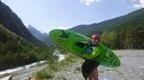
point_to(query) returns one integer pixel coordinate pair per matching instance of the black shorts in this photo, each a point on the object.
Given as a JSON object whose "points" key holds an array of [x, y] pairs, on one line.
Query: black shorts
{"points": [[88, 66]]}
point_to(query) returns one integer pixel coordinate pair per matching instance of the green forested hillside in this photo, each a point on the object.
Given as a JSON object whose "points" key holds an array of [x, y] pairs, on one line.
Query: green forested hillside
{"points": [[17, 45], [13, 23], [127, 38], [16, 51], [125, 32]]}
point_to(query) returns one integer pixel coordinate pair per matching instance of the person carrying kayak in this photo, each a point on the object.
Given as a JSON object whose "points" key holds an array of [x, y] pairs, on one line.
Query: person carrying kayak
{"points": [[89, 67], [93, 51]]}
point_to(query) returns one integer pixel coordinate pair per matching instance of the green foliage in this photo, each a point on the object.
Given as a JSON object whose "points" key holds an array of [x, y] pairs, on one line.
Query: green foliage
{"points": [[109, 38], [54, 67], [43, 75], [15, 51], [125, 38]]}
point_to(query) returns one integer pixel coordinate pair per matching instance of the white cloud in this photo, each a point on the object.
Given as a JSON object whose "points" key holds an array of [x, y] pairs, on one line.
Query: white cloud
{"points": [[137, 6], [89, 2], [138, 3]]}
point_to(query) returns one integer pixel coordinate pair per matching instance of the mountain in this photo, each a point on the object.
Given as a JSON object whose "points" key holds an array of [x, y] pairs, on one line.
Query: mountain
{"points": [[114, 23], [43, 37], [18, 46], [12, 22], [121, 32]]}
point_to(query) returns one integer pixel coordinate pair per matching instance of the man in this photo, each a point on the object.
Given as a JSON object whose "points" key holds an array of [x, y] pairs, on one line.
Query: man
{"points": [[89, 67]]}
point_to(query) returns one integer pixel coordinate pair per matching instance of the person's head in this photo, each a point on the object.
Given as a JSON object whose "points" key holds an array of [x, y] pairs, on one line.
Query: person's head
{"points": [[95, 38]]}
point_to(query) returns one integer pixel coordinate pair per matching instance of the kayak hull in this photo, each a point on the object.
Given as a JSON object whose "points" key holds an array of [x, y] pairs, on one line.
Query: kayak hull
{"points": [[77, 43]]}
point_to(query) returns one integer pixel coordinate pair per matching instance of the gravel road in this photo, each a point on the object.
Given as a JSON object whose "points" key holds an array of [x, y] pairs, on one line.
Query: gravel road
{"points": [[132, 68]]}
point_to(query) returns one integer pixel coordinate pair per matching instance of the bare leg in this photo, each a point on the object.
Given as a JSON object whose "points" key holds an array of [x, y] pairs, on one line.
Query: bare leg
{"points": [[94, 75]]}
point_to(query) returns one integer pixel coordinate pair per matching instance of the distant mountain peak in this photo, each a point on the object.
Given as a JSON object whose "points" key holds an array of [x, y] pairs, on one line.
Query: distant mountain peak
{"points": [[39, 35]]}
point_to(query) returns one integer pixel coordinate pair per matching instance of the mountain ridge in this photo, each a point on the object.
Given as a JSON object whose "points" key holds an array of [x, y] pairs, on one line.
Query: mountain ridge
{"points": [[12, 22], [124, 32], [43, 37], [94, 27]]}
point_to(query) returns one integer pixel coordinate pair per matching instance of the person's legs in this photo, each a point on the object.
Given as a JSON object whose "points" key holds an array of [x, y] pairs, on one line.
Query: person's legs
{"points": [[93, 75], [89, 70], [85, 70]]}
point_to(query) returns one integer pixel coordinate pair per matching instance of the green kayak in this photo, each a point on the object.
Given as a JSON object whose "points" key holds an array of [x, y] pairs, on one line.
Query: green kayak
{"points": [[77, 44]]}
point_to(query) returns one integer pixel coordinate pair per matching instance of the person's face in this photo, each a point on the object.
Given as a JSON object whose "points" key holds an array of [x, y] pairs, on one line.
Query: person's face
{"points": [[94, 41]]}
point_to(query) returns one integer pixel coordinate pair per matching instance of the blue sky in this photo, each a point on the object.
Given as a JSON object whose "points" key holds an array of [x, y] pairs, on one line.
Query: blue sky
{"points": [[45, 15]]}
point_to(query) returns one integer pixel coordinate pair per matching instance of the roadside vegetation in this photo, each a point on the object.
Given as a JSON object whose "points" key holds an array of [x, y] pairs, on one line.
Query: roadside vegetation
{"points": [[54, 67]]}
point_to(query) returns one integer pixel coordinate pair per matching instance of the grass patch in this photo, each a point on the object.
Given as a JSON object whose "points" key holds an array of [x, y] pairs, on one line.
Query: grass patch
{"points": [[42, 75], [78, 69]]}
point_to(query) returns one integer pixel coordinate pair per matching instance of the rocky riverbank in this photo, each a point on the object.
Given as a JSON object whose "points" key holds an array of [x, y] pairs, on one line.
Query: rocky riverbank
{"points": [[132, 68]]}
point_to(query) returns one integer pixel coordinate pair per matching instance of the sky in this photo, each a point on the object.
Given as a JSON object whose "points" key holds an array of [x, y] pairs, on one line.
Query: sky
{"points": [[46, 15]]}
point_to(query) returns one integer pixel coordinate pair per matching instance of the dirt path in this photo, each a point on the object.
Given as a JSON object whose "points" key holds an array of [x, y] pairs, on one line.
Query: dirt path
{"points": [[132, 68]]}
